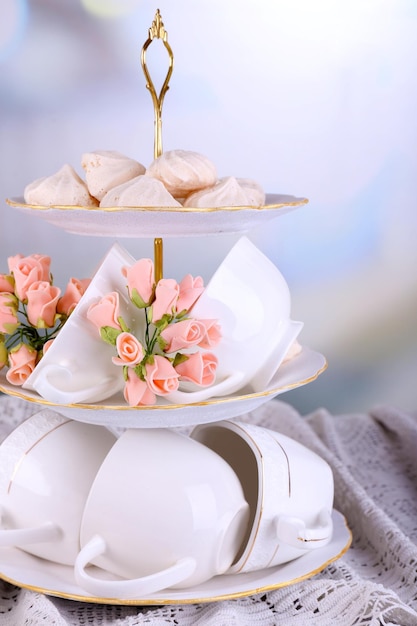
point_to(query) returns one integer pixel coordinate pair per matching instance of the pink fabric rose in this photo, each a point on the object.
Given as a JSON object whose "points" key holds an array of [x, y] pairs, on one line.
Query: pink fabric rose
{"points": [[8, 313], [72, 295], [199, 368], [212, 335], [28, 270], [6, 283], [129, 349], [140, 281], [22, 361], [42, 298], [166, 296], [136, 391], [46, 346], [183, 334], [105, 312], [190, 290], [161, 376]]}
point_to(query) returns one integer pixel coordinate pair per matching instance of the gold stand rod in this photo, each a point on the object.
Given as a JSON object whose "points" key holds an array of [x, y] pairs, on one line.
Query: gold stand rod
{"points": [[157, 31]]}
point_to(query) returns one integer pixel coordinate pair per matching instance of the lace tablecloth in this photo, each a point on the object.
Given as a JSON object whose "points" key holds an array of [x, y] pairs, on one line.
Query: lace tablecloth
{"points": [[374, 461]]}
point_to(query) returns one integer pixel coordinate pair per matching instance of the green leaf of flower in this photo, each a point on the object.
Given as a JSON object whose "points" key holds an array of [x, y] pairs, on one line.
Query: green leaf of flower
{"points": [[137, 299], [180, 358], [109, 334], [125, 328]]}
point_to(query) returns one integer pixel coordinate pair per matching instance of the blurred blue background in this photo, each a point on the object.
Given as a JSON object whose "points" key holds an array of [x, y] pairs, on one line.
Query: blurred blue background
{"points": [[315, 99]]}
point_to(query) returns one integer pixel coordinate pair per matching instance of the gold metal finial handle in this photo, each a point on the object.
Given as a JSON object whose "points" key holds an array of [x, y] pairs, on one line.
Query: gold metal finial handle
{"points": [[157, 31]]}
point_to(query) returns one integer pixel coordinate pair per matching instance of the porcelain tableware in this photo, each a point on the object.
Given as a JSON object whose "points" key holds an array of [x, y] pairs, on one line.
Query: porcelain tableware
{"points": [[163, 511], [47, 466], [78, 367], [288, 487], [251, 299]]}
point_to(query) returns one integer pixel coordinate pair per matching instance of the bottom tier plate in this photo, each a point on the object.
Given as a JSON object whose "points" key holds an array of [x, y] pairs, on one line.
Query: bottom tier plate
{"points": [[30, 572]]}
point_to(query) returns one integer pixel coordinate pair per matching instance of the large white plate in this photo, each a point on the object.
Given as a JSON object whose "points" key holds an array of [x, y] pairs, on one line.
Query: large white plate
{"points": [[30, 572], [302, 369], [140, 222]]}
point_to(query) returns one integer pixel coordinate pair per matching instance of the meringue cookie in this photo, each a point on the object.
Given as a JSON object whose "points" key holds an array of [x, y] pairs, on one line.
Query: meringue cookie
{"points": [[142, 191], [64, 187], [183, 171], [253, 190], [105, 169], [226, 192]]}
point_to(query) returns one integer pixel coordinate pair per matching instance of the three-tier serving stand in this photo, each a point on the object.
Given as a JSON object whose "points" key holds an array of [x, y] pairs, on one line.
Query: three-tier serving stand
{"points": [[158, 223]]}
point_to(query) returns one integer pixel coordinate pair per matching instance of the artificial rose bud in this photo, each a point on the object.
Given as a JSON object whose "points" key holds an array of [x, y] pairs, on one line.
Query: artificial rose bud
{"points": [[212, 335], [166, 296], [28, 270], [129, 349], [22, 361], [136, 391], [182, 335], [75, 289], [161, 376], [190, 290], [8, 313], [140, 282], [6, 283], [199, 368], [42, 298], [105, 312]]}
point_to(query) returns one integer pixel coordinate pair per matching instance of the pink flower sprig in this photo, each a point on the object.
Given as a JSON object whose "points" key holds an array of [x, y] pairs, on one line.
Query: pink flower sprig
{"points": [[32, 312], [173, 346]]}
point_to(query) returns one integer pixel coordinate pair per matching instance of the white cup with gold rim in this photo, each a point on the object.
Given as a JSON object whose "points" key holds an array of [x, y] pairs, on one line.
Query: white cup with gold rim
{"points": [[163, 511], [288, 487], [47, 466]]}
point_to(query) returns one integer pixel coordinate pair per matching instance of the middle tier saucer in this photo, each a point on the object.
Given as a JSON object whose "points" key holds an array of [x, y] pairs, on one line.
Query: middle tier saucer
{"points": [[300, 370]]}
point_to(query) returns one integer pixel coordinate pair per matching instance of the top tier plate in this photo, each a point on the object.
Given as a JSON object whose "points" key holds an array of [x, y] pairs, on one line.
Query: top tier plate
{"points": [[144, 222]]}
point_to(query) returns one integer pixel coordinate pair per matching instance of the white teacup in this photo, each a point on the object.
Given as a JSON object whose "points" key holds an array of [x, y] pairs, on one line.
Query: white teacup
{"points": [[288, 487], [47, 466], [78, 367], [163, 511], [251, 299]]}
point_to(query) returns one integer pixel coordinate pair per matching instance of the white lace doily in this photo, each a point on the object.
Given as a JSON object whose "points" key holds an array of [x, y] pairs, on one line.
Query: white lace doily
{"points": [[374, 461]]}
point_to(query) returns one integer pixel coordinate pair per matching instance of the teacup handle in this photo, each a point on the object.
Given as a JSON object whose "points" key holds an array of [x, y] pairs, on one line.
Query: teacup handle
{"points": [[126, 588], [294, 532], [94, 393], [24, 536]]}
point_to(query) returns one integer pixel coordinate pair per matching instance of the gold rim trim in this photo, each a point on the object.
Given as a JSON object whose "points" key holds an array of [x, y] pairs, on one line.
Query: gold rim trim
{"points": [[195, 600], [166, 407], [63, 207]]}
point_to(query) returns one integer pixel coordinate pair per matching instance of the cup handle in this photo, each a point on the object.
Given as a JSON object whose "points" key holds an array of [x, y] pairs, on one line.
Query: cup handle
{"points": [[294, 532], [23, 536], [126, 588], [54, 393]]}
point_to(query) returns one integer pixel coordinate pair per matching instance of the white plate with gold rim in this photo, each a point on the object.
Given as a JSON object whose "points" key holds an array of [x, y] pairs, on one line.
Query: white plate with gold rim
{"points": [[114, 412], [42, 576], [142, 222]]}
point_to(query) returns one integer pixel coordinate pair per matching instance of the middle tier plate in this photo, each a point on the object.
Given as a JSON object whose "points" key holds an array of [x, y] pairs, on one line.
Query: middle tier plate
{"points": [[300, 370]]}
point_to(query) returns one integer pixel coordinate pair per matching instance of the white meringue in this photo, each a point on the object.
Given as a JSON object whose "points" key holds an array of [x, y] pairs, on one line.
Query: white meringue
{"points": [[64, 187], [225, 193], [105, 169], [183, 171], [253, 191], [142, 191]]}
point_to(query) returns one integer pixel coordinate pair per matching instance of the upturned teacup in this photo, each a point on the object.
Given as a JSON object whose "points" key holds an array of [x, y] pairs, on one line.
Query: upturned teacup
{"points": [[163, 511], [47, 466], [288, 487]]}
